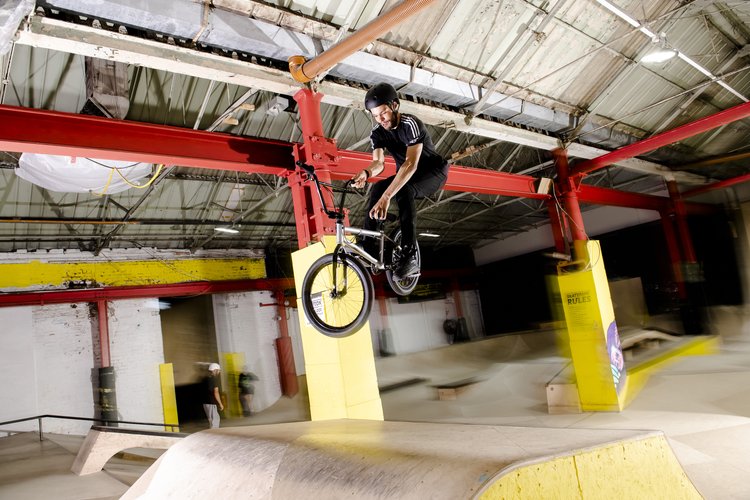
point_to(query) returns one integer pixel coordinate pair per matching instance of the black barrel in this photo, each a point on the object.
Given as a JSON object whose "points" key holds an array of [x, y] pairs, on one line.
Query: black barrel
{"points": [[107, 395]]}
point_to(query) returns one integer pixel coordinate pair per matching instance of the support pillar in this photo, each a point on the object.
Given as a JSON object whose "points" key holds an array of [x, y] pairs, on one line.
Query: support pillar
{"points": [[462, 328], [589, 315], [568, 192], [102, 315], [385, 339], [341, 377], [107, 393], [691, 306], [557, 224], [287, 372], [674, 253]]}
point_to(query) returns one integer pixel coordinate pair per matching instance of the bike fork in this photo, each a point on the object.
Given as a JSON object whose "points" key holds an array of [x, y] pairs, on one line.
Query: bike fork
{"points": [[336, 291]]}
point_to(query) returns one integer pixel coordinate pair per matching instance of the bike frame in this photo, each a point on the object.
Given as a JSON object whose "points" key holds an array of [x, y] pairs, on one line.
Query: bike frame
{"points": [[342, 243]]}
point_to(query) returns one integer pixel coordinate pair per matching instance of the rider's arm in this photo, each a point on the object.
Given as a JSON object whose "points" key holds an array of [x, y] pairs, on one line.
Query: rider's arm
{"points": [[217, 397], [403, 175], [374, 168], [406, 171]]}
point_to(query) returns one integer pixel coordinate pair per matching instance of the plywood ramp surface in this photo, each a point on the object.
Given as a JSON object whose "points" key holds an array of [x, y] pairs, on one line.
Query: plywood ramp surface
{"points": [[374, 459]]}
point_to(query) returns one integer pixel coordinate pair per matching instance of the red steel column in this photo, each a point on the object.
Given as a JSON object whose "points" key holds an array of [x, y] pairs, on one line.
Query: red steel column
{"points": [[692, 302], [457, 298], [674, 253], [287, 371], [568, 193], [681, 220], [320, 152], [101, 309], [556, 223]]}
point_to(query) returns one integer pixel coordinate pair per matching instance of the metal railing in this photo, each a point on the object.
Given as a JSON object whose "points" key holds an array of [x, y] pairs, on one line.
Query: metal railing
{"points": [[68, 417]]}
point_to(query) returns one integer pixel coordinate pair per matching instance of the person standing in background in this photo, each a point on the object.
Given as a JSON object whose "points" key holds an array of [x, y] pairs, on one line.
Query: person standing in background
{"points": [[246, 390], [212, 396]]}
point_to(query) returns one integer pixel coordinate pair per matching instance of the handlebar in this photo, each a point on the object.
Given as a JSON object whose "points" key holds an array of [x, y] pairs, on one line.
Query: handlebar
{"points": [[336, 213]]}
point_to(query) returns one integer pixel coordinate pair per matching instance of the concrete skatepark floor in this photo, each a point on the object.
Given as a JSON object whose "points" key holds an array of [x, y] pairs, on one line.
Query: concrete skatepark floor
{"points": [[702, 404]]}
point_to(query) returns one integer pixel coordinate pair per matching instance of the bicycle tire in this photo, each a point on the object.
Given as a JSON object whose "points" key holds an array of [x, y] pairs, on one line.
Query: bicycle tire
{"points": [[340, 316], [404, 286]]}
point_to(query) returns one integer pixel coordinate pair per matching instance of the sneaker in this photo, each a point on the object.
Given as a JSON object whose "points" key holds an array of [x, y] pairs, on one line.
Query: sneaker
{"points": [[408, 266]]}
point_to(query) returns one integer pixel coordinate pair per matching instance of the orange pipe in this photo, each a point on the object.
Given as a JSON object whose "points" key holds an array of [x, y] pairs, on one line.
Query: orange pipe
{"points": [[304, 71]]}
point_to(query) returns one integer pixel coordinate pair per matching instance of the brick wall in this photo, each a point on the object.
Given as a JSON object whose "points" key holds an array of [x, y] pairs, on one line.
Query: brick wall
{"points": [[49, 359], [136, 352], [17, 368], [47, 366], [64, 360]]}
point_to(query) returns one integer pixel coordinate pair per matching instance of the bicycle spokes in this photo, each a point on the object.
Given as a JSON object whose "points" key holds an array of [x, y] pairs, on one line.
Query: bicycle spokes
{"points": [[339, 294]]}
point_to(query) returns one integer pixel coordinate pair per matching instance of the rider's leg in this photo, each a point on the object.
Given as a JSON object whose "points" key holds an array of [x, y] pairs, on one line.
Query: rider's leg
{"points": [[376, 191], [423, 183], [407, 214]]}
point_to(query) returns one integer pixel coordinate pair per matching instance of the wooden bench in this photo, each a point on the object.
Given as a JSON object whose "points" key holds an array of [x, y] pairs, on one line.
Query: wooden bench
{"points": [[451, 390], [102, 443]]}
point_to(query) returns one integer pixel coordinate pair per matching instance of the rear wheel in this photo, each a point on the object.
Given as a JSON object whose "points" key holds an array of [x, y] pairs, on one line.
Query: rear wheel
{"points": [[337, 309], [403, 286]]}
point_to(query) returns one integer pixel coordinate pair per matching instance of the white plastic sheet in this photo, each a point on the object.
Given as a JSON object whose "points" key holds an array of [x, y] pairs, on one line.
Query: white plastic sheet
{"points": [[12, 13], [65, 174]]}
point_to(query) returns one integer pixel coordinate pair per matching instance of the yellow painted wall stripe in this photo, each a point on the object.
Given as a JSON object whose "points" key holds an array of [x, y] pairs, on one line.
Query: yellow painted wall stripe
{"points": [[128, 273], [168, 397]]}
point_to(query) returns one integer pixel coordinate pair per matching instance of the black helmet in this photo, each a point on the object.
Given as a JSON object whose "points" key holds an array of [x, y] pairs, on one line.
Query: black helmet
{"points": [[382, 93]]}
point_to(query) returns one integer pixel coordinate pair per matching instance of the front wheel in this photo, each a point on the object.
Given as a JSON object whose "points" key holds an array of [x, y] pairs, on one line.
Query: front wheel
{"points": [[406, 285], [337, 309]]}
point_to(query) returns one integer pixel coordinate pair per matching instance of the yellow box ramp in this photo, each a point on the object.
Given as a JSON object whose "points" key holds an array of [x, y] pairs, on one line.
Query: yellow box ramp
{"points": [[374, 459]]}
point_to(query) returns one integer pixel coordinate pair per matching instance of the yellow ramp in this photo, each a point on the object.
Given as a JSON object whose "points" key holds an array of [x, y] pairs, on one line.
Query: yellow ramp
{"points": [[376, 459]]}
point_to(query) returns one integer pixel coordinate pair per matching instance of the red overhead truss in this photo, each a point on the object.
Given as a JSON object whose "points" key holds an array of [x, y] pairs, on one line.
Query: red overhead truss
{"points": [[665, 138]]}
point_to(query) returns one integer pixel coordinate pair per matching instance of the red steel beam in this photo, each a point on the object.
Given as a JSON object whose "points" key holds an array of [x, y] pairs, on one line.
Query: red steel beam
{"points": [[134, 292], [459, 178], [50, 132], [669, 137], [717, 185], [68, 134], [613, 197]]}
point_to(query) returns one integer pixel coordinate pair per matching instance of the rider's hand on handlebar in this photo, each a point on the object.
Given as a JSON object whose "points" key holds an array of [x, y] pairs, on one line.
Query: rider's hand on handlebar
{"points": [[359, 180]]}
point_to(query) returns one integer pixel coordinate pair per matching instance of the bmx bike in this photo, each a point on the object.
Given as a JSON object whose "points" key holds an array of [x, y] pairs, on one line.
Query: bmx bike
{"points": [[337, 291]]}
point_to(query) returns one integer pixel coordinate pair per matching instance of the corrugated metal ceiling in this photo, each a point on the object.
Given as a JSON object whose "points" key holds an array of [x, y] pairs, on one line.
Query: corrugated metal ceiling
{"points": [[578, 79]]}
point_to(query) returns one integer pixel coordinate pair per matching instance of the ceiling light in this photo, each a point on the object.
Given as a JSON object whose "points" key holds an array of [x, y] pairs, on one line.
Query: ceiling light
{"points": [[226, 230], [658, 56], [429, 235], [644, 29], [663, 52]]}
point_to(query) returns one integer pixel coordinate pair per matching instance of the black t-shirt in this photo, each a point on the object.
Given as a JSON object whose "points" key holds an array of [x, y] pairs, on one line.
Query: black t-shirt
{"points": [[210, 382], [410, 131]]}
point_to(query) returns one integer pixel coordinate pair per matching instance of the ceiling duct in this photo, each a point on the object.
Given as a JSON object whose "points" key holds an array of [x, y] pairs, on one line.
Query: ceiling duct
{"points": [[106, 88]]}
